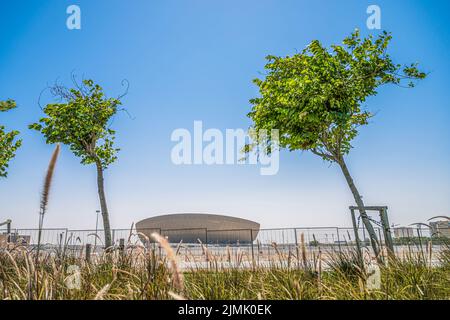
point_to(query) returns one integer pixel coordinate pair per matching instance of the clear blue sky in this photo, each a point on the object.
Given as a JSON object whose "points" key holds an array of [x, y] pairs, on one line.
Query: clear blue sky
{"points": [[194, 60]]}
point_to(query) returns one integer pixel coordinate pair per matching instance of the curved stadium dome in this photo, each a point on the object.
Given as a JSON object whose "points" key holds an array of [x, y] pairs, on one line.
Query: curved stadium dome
{"points": [[208, 228]]}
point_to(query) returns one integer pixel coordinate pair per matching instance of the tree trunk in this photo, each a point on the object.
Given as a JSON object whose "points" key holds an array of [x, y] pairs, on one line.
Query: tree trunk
{"points": [[360, 204], [103, 206]]}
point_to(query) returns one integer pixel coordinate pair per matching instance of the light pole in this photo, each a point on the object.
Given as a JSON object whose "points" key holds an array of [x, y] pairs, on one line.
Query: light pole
{"points": [[96, 229]]}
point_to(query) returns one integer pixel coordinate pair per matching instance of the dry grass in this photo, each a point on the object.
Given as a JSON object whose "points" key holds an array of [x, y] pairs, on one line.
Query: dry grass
{"points": [[140, 273]]}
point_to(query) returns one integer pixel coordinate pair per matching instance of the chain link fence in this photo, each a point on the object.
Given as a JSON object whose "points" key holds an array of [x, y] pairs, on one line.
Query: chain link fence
{"points": [[245, 246]]}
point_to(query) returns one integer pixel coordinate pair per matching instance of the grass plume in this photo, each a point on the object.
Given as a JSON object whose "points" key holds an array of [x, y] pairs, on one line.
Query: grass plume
{"points": [[177, 274], [48, 180], [143, 275], [46, 193]]}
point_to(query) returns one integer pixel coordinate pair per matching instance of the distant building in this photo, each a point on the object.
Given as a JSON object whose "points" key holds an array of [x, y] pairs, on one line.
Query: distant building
{"points": [[403, 232], [206, 228], [440, 228]]}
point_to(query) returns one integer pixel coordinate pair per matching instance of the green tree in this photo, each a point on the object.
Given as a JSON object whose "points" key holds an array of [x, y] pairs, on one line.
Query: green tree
{"points": [[8, 142], [314, 98], [81, 120]]}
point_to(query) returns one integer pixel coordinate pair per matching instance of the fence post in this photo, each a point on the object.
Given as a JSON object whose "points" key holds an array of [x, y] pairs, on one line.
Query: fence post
{"points": [[381, 243], [419, 233], [121, 244], [364, 236], [339, 240], [206, 247], [253, 253], [355, 229], [387, 231], [88, 252], [258, 246], [159, 245], [296, 247], [8, 232], [60, 240], [65, 243]]}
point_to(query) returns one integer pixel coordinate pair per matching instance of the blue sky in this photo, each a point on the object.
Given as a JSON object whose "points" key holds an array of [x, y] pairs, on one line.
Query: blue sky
{"points": [[194, 60]]}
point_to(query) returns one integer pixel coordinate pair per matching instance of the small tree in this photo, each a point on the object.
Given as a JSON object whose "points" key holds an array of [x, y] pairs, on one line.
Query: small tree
{"points": [[81, 120], [8, 142], [315, 99]]}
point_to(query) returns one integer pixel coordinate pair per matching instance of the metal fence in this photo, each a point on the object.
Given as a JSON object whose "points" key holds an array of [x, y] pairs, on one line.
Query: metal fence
{"points": [[262, 246], [312, 236]]}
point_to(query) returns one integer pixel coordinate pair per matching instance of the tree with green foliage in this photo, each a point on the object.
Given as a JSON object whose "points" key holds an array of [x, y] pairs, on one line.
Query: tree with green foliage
{"points": [[8, 142], [81, 120], [315, 99]]}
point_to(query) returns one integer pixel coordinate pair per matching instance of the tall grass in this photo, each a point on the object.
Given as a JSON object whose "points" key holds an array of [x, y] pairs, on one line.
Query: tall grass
{"points": [[141, 273], [46, 193]]}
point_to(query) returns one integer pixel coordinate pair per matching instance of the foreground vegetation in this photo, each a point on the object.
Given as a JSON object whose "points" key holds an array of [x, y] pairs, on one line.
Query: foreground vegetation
{"points": [[138, 273]]}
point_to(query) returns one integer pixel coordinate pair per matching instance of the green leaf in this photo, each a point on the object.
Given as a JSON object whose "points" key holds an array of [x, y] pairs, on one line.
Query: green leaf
{"points": [[314, 98]]}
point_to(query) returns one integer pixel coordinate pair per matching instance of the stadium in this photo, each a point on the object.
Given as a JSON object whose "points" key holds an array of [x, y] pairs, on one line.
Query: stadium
{"points": [[195, 228]]}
